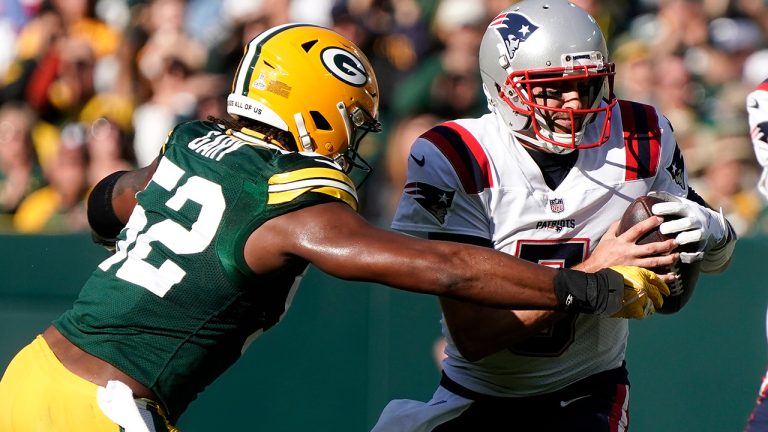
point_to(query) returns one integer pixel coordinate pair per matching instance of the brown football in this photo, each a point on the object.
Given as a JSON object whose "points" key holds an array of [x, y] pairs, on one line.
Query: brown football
{"points": [[682, 289]]}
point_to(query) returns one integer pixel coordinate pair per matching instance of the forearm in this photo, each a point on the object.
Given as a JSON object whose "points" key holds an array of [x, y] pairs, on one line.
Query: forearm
{"points": [[478, 274], [342, 244], [450, 270], [477, 271]]}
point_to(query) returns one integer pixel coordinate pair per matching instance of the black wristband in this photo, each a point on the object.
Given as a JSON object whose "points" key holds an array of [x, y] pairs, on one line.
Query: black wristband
{"points": [[101, 215], [578, 291]]}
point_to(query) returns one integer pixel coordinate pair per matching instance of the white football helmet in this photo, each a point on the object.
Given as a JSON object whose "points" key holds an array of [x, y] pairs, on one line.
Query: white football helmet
{"points": [[539, 42]]}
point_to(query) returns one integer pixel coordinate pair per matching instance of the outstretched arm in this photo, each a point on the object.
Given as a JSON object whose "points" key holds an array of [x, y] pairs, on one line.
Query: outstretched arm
{"points": [[341, 243]]}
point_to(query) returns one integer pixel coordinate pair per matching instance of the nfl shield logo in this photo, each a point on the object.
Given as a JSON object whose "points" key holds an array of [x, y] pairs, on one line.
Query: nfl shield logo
{"points": [[556, 205]]}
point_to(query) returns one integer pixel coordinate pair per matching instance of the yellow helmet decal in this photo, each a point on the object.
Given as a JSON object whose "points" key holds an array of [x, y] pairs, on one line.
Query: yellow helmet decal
{"points": [[252, 51]]}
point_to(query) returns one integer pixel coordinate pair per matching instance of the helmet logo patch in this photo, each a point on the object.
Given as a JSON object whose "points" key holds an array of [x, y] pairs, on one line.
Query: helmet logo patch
{"points": [[513, 28], [260, 83], [279, 88], [344, 66]]}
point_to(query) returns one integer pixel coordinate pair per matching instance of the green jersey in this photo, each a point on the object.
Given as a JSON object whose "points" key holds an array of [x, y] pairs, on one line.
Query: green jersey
{"points": [[176, 305]]}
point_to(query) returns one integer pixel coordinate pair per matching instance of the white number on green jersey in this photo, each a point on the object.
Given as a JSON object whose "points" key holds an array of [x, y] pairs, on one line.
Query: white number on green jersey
{"points": [[175, 237]]}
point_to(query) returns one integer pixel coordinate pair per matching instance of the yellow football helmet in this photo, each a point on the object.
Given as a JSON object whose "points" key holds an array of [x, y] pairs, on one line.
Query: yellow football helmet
{"points": [[313, 83]]}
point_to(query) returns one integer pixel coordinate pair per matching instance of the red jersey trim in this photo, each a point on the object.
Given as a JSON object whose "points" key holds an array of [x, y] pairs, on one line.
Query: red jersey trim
{"points": [[464, 153], [642, 139]]}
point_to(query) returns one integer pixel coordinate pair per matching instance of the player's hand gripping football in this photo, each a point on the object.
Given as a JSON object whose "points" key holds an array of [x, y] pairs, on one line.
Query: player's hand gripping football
{"points": [[697, 224], [643, 293]]}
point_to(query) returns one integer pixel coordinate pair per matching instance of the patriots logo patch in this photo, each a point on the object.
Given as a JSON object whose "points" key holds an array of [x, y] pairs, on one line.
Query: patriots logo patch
{"points": [[513, 28], [434, 200], [676, 168]]}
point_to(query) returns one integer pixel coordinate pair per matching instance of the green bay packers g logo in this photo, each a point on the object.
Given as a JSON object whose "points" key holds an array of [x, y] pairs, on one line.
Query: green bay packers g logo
{"points": [[344, 66]]}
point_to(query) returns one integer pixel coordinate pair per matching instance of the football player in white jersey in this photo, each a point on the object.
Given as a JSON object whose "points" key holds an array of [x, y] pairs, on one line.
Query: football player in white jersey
{"points": [[544, 176], [757, 108]]}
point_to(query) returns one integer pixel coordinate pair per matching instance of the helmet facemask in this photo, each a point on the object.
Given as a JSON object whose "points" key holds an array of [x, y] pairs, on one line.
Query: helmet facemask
{"points": [[360, 123], [526, 93], [557, 46]]}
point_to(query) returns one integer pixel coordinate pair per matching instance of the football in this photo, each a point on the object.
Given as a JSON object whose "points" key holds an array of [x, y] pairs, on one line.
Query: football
{"points": [[681, 289]]}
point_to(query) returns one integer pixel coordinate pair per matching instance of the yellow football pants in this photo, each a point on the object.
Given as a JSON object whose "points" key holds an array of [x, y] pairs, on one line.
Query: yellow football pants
{"points": [[38, 394]]}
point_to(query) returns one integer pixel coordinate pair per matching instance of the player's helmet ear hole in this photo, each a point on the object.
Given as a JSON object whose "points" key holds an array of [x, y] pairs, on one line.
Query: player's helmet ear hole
{"points": [[320, 121]]}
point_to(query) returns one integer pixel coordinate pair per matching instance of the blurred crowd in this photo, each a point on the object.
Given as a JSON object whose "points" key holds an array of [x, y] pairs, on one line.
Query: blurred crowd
{"points": [[90, 87]]}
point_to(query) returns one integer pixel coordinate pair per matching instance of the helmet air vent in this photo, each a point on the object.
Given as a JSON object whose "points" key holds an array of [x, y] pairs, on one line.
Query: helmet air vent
{"points": [[320, 121], [308, 45]]}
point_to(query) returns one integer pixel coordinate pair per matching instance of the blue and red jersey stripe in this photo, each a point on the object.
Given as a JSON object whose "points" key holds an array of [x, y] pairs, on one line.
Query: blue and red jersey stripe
{"points": [[642, 139], [465, 154]]}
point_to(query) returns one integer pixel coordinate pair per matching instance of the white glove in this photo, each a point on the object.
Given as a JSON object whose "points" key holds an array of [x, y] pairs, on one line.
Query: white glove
{"points": [[697, 224]]}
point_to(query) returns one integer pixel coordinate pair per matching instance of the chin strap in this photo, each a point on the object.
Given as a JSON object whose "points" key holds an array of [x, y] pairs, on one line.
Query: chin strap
{"points": [[538, 144], [563, 138], [306, 141]]}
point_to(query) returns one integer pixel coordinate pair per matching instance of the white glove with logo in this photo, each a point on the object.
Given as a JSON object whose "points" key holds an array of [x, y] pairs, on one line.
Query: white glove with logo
{"points": [[696, 224]]}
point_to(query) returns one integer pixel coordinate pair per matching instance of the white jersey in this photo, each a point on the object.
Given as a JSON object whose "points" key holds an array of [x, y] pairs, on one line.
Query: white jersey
{"points": [[757, 108], [470, 178]]}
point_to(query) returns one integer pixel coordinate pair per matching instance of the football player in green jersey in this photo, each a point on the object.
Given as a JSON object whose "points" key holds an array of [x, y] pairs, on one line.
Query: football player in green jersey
{"points": [[213, 237]]}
